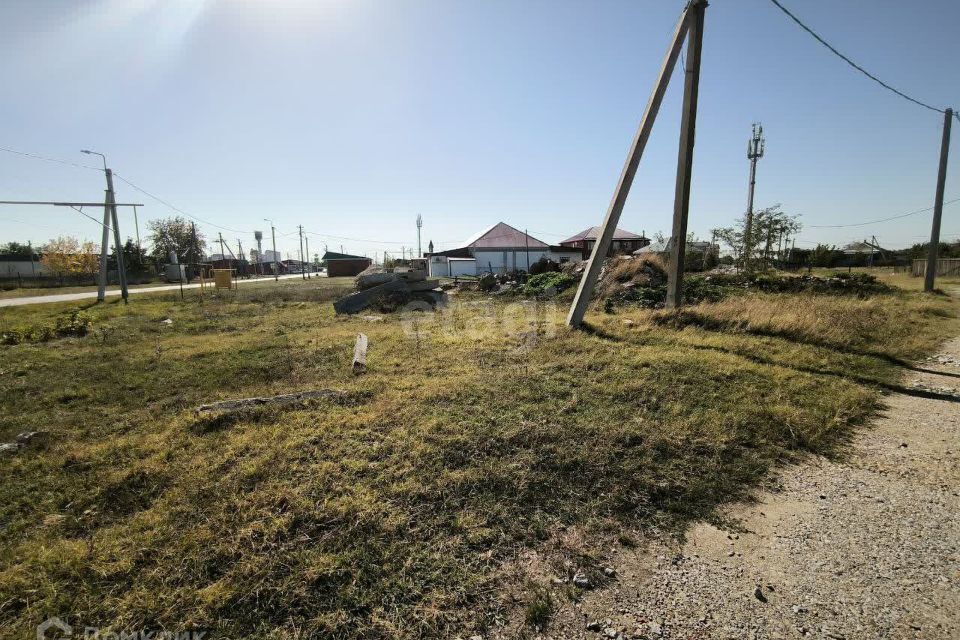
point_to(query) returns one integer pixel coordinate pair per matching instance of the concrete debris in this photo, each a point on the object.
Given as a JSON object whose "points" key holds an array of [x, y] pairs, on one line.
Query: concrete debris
{"points": [[286, 398], [23, 439], [360, 354], [389, 290]]}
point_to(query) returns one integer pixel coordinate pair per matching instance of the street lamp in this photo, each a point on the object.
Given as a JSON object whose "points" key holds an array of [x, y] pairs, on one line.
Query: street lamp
{"points": [[95, 153], [109, 219], [273, 238]]}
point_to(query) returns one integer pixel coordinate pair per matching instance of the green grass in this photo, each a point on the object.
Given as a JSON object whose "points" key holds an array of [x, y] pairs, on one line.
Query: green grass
{"points": [[399, 510]]}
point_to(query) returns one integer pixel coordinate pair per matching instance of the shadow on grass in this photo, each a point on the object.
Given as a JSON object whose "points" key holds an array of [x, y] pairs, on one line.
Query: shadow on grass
{"points": [[887, 386]]}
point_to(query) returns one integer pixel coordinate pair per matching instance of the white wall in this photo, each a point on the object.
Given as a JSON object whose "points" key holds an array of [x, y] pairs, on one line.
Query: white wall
{"points": [[441, 267], [498, 260]]}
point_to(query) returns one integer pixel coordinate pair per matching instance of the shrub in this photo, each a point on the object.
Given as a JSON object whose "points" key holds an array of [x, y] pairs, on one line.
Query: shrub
{"points": [[76, 323], [555, 281]]}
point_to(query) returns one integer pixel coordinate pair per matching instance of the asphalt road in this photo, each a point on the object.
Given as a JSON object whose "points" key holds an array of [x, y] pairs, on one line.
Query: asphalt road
{"points": [[86, 295]]}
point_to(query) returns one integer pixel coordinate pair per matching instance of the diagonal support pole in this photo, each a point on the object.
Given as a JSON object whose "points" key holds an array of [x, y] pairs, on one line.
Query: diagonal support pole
{"points": [[688, 129], [602, 246]]}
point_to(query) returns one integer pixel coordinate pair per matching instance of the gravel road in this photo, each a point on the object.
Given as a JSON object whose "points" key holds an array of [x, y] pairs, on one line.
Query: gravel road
{"points": [[863, 548]]}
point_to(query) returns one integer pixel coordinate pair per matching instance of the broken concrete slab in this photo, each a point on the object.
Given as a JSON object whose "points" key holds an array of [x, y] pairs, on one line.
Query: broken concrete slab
{"points": [[362, 299]]}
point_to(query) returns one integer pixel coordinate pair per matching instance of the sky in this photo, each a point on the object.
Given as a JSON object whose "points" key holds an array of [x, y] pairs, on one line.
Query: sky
{"points": [[351, 117]]}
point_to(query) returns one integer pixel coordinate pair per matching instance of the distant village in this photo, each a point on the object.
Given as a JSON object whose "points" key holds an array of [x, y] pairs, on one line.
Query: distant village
{"points": [[500, 248]]}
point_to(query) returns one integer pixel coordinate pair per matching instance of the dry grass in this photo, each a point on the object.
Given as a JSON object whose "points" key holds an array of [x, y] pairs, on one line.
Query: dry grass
{"points": [[482, 433]]}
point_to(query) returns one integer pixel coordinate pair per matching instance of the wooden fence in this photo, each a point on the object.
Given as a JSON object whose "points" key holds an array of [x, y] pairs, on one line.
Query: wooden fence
{"points": [[945, 267]]}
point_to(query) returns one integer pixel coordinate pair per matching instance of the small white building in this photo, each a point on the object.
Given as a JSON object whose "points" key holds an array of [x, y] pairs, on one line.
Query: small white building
{"points": [[499, 249]]}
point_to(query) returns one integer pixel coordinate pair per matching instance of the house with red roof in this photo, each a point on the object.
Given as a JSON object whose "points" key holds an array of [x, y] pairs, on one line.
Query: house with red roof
{"points": [[624, 242], [499, 249]]}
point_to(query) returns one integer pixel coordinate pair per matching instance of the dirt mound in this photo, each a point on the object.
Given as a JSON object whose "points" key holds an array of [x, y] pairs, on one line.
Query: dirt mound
{"points": [[627, 272]]}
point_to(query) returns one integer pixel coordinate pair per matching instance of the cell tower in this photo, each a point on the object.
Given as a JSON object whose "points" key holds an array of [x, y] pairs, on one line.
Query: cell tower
{"points": [[755, 148], [419, 226]]}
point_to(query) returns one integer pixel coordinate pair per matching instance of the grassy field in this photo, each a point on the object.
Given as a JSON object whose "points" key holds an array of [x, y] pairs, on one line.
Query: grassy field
{"points": [[399, 508]]}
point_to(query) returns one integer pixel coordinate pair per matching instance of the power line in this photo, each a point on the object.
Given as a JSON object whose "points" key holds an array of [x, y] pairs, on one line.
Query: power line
{"points": [[864, 224], [851, 62], [177, 209], [46, 159]]}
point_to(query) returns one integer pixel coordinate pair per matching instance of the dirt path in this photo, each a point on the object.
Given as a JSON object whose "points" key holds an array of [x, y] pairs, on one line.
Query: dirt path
{"points": [[866, 548]]}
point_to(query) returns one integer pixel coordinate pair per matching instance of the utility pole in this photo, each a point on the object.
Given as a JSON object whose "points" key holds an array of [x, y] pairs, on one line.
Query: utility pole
{"points": [[688, 127], [526, 239], [193, 250], [306, 242], [121, 268], [640, 138], [273, 238], [931, 273], [136, 225], [223, 252], [419, 225], [104, 248], [258, 236], [755, 148], [240, 257], [303, 274]]}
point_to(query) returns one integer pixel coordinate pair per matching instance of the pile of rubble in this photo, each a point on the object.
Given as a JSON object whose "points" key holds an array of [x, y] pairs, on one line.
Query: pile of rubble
{"points": [[389, 289]]}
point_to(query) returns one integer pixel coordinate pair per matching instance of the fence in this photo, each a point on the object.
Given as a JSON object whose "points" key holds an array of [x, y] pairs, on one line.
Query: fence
{"points": [[945, 267], [67, 280]]}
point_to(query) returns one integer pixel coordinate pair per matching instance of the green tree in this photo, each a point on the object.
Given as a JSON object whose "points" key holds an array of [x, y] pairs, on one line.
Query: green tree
{"points": [[174, 234], [771, 228], [17, 249]]}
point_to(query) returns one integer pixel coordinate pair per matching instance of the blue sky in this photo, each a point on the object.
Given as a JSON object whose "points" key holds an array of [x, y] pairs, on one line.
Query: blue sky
{"points": [[351, 117]]}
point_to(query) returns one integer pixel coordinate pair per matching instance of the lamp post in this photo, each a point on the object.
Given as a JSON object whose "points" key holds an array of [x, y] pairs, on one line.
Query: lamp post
{"points": [[109, 219], [273, 238]]}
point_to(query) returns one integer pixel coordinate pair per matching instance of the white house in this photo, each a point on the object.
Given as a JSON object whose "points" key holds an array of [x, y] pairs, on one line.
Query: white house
{"points": [[499, 249]]}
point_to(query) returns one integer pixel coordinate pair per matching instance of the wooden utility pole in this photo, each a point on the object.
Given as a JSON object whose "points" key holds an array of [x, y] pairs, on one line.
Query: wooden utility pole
{"points": [[931, 273], [602, 245], [688, 128]]}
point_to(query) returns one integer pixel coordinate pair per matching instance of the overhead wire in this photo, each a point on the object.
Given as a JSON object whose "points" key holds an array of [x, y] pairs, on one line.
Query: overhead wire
{"points": [[48, 159], [869, 222], [853, 64]]}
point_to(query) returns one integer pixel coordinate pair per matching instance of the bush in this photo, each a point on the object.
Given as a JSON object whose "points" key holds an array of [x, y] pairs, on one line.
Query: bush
{"points": [[552, 281], [76, 323]]}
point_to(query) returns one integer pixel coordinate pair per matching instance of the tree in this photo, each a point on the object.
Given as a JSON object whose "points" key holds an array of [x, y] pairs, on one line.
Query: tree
{"points": [[771, 227], [17, 249], [133, 259], [68, 255], [174, 234]]}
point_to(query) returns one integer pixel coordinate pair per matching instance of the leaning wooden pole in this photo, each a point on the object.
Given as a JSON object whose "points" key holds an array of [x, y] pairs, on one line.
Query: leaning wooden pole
{"points": [[934, 247], [602, 246], [688, 127]]}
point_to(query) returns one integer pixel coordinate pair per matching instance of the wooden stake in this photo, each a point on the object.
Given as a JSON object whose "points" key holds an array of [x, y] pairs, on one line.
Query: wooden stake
{"points": [[602, 245], [688, 127]]}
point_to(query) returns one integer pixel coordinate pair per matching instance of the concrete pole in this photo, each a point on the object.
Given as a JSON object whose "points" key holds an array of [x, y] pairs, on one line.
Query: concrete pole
{"points": [[104, 248], [276, 266], [121, 268], [931, 274], [306, 243], [688, 127], [303, 271], [602, 245]]}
